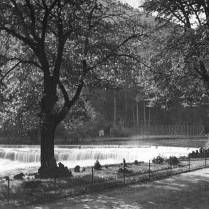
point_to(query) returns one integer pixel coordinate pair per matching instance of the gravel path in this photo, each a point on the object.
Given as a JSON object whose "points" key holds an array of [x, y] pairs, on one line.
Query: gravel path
{"points": [[184, 191]]}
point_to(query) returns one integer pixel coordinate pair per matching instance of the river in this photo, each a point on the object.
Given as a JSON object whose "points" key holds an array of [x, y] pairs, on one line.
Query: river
{"points": [[15, 158]]}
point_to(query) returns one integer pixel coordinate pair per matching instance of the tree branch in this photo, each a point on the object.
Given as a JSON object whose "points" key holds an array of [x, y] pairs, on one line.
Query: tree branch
{"points": [[64, 92], [185, 14], [26, 62], [27, 41], [33, 22], [61, 43], [9, 71], [68, 103], [134, 58], [21, 18], [112, 53]]}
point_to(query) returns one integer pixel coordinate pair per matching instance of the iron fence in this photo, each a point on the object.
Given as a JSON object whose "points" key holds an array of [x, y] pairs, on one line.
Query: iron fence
{"points": [[90, 179]]}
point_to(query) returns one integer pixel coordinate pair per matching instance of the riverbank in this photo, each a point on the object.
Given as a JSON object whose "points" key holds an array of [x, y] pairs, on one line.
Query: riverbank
{"points": [[110, 140], [31, 191], [35, 191], [157, 140], [17, 157], [188, 190]]}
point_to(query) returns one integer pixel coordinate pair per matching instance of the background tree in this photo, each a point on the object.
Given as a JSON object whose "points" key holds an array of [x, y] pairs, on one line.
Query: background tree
{"points": [[178, 50]]}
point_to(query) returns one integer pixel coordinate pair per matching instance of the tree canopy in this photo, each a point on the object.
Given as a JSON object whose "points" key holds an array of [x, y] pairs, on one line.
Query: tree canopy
{"points": [[59, 47], [180, 48]]}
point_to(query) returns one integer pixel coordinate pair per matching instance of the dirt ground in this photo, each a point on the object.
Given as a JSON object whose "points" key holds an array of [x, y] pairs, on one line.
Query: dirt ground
{"points": [[183, 191]]}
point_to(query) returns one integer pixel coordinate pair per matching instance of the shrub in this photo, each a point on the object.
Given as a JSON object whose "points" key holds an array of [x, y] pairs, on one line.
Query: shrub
{"points": [[136, 162], [77, 168], [173, 160], [97, 165], [158, 160]]}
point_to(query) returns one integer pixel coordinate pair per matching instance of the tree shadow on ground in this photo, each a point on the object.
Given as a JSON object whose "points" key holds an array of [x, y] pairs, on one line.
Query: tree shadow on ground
{"points": [[186, 191]]}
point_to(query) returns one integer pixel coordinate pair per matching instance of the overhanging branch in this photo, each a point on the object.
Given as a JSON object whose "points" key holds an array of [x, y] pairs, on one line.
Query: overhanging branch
{"points": [[134, 58], [64, 92], [27, 41], [112, 53], [26, 62], [9, 71]]}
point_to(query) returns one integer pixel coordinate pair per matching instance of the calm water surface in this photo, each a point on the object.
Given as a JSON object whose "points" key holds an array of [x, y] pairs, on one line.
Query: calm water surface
{"points": [[196, 142]]}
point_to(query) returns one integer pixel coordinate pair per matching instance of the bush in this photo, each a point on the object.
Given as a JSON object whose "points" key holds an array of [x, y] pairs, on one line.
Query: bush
{"points": [[173, 160], [158, 160], [97, 165], [77, 168], [136, 162]]}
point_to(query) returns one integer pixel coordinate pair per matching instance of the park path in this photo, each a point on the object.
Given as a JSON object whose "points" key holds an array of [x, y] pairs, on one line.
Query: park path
{"points": [[183, 191]]}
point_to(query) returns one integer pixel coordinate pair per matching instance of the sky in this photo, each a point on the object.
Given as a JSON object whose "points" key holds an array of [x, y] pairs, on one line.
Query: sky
{"points": [[133, 3]]}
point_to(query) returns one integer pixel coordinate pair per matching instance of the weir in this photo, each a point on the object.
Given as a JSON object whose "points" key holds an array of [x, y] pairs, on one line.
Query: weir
{"points": [[86, 155]]}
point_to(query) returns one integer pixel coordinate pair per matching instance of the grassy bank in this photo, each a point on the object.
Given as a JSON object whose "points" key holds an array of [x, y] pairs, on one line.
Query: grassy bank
{"points": [[33, 191]]}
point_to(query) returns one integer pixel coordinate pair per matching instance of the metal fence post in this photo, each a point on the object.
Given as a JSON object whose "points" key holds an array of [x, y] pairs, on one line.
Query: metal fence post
{"points": [[189, 163], [170, 165], [8, 192], [55, 184], [205, 159], [124, 174], [149, 169], [92, 176]]}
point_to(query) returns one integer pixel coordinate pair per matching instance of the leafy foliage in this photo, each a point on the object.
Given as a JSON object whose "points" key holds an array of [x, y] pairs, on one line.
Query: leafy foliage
{"points": [[173, 160], [178, 55], [158, 160], [53, 49]]}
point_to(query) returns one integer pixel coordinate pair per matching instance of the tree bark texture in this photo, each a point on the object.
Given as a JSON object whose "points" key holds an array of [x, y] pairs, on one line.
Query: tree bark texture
{"points": [[48, 127], [47, 142]]}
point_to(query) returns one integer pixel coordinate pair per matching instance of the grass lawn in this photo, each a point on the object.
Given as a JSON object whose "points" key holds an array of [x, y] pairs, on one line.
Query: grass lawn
{"points": [[32, 190]]}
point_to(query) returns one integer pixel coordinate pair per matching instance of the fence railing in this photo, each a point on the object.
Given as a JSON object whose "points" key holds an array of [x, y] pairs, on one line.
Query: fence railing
{"points": [[90, 179]]}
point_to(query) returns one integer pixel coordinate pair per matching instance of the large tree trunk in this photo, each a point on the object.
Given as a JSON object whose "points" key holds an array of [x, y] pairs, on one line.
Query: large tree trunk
{"points": [[48, 127], [47, 142], [50, 118]]}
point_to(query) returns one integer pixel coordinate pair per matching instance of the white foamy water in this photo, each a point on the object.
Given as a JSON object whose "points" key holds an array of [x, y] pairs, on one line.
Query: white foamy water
{"points": [[16, 158]]}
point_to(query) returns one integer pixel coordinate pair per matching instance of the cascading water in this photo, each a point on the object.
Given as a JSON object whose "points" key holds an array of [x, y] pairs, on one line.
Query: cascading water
{"points": [[27, 156], [19, 157]]}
